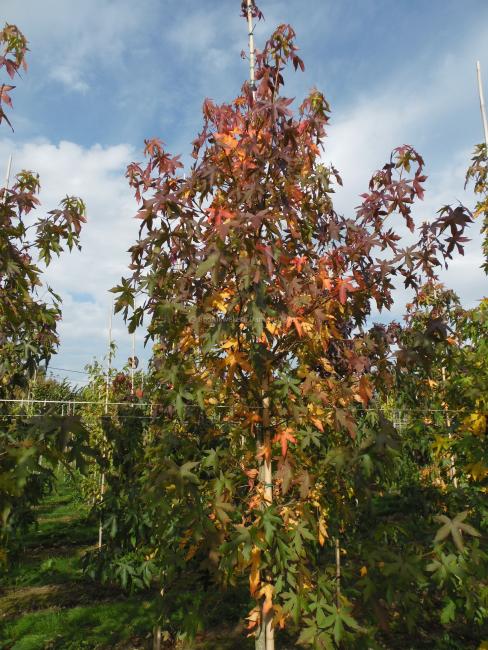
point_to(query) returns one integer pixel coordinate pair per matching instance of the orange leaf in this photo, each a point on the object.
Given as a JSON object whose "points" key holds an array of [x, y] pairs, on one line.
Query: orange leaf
{"points": [[226, 141], [318, 424], [365, 390], [265, 452], [284, 437], [253, 619], [267, 592], [296, 322]]}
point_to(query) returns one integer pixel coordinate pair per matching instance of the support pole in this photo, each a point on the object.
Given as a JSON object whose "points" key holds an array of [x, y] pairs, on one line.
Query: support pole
{"points": [[107, 387], [268, 497], [250, 26], [264, 639], [133, 363], [7, 177], [338, 572], [482, 103]]}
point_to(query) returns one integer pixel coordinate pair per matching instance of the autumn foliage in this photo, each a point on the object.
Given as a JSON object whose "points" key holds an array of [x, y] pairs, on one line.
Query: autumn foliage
{"points": [[257, 296]]}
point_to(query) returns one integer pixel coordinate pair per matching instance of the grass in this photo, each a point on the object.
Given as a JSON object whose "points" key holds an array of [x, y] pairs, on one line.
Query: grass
{"points": [[105, 625], [47, 603]]}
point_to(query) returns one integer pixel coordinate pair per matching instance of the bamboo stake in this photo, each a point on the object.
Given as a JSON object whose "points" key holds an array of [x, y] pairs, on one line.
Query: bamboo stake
{"points": [[338, 572], [251, 48], [133, 363], [268, 497], [265, 472], [109, 360], [482, 102], [452, 469], [107, 386], [7, 177]]}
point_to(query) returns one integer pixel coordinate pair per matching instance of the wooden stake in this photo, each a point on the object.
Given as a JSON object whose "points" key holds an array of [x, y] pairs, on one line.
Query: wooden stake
{"points": [[109, 360], [482, 103]]}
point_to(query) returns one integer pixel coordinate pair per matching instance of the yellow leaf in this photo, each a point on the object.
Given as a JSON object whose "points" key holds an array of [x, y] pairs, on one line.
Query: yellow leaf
{"points": [[475, 423], [255, 575], [267, 591], [363, 571], [323, 535], [478, 471], [271, 327], [253, 619], [230, 343]]}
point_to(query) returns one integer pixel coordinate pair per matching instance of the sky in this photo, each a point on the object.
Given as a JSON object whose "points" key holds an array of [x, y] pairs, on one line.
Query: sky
{"points": [[106, 74]]}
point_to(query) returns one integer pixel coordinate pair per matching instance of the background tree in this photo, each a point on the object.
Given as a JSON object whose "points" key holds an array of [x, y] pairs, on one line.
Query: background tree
{"points": [[28, 321]]}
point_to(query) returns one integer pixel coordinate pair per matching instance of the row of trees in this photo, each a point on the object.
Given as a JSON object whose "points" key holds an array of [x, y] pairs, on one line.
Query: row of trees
{"points": [[269, 466]]}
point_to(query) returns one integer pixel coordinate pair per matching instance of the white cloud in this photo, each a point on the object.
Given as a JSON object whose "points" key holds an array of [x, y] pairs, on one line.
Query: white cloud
{"points": [[97, 175], [420, 112], [74, 40], [70, 77]]}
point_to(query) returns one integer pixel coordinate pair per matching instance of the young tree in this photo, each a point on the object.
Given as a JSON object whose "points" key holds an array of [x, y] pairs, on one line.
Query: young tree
{"points": [[28, 321], [478, 173], [258, 296]]}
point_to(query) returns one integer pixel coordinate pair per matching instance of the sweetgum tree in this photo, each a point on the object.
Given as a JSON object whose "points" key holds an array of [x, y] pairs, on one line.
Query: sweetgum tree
{"points": [[257, 295], [28, 321]]}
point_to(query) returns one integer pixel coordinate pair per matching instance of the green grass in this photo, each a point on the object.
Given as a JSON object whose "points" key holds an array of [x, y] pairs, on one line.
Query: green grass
{"points": [[104, 625], [48, 603]]}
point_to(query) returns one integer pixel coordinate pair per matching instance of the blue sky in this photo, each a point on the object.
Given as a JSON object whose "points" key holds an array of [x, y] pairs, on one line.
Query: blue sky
{"points": [[105, 74]]}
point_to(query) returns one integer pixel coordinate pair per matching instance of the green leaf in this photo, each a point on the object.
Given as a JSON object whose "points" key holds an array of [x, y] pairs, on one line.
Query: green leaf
{"points": [[307, 636], [206, 265], [448, 613], [454, 527], [221, 510], [180, 405]]}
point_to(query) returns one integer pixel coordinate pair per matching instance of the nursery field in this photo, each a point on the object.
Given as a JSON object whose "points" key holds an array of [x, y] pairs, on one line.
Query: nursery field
{"points": [[302, 459], [47, 602]]}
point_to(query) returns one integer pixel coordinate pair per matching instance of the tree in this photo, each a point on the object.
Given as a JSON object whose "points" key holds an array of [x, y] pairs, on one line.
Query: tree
{"points": [[28, 321], [478, 172], [258, 296]]}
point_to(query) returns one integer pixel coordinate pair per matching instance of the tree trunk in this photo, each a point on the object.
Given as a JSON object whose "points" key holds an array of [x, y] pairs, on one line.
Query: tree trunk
{"points": [[267, 617], [260, 642], [157, 638], [100, 523]]}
